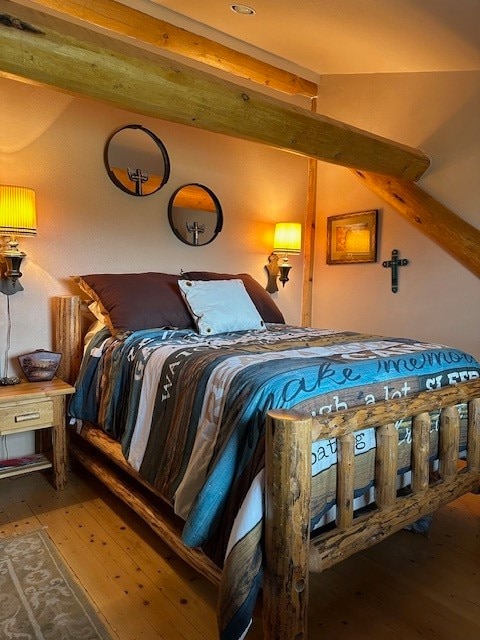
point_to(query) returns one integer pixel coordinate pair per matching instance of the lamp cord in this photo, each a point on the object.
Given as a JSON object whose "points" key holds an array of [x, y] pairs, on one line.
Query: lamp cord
{"points": [[5, 379], [9, 338]]}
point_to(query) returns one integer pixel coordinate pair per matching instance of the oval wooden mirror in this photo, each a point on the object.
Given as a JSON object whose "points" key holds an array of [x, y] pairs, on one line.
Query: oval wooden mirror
{"points": [[136, 160], [195, 214]]}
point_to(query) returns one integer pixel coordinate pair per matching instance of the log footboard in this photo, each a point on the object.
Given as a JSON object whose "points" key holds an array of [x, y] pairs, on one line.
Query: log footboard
{"points": [[290, 554]]}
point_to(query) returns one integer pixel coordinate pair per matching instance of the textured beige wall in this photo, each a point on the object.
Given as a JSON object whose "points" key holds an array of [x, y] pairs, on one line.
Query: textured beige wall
{"points": [[54, 144], [438, 299]]}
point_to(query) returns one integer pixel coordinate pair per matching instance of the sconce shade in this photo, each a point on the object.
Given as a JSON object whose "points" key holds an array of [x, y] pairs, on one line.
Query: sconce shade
{"points": [[17, 211], [17, 218], [286, 240], [288, 237]]}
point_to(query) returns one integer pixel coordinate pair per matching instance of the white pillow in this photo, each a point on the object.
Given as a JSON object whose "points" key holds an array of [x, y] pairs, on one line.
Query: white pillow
{"points": [[220, 305]]}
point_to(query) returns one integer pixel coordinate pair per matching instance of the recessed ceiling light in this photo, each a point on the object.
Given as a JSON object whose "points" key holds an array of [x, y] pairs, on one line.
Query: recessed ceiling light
{"points": [[242, 9]]}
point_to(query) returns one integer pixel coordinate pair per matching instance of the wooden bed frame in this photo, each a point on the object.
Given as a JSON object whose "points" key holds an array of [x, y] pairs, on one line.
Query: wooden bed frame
{"points": [[290, 553]]}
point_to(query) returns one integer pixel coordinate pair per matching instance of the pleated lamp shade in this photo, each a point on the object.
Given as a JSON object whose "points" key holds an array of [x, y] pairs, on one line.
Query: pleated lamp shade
{"points": [[288, 237], [17, 211]]}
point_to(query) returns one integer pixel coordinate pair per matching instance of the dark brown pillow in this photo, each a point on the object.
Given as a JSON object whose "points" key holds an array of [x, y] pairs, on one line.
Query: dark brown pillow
{"points": [[135, 301], [266, 307]]}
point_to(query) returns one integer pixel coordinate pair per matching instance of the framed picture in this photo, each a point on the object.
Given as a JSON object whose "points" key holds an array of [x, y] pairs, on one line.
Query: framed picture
{"points": [[352, 237]]}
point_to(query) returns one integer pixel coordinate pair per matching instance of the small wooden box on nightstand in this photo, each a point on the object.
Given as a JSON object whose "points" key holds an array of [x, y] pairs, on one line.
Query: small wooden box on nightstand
{"points": [[29, 406]]}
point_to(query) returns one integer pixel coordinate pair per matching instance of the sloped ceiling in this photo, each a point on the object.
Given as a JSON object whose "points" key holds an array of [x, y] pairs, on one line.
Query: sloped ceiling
{"points": [[70, 71], [340, 36]]}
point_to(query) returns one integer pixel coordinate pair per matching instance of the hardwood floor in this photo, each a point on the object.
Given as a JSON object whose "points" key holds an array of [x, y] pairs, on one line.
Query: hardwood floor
{"points": [[405, 588]]}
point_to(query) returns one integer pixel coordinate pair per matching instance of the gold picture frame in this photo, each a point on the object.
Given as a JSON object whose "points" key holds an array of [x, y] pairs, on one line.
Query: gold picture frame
{"points": [[352, 237]]}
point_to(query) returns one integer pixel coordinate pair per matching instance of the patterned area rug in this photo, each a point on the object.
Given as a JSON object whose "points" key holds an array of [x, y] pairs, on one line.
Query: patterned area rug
{"points": [[39, 598]]}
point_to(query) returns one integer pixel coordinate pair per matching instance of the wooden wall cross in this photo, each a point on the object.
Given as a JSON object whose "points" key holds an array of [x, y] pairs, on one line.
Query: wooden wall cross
{"points": [[393, 264]]}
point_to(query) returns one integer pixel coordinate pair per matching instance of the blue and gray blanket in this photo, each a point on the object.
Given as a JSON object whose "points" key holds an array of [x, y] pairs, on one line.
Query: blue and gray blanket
{"points": [[190, 410]]}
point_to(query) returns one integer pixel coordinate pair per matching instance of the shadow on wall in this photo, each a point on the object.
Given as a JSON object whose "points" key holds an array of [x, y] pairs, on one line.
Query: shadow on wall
{"points": [[40, 107]]}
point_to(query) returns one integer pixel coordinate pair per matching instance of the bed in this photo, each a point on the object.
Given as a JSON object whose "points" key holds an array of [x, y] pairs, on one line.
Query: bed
{"points": [[260, 452]]}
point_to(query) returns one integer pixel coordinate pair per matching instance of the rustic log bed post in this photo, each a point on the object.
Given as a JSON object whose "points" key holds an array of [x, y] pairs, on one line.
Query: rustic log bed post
{"points": [[290, 553], [67, 335], [288, 477]]}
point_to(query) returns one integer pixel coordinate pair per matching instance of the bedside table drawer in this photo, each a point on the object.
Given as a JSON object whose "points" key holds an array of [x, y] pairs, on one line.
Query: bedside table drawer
{"points": [[26, 415]]}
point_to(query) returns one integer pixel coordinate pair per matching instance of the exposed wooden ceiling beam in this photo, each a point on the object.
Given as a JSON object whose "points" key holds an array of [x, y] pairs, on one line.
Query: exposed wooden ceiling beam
{"points": [[457, 237], [57, 53], [142, 27]]}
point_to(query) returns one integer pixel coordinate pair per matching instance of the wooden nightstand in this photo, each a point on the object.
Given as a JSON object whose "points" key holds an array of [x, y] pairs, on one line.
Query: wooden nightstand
{"points": [[29, 406]]}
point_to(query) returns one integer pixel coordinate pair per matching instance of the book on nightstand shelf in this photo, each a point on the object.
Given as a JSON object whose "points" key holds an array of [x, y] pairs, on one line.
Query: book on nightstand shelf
{"points": [[33, 462]]}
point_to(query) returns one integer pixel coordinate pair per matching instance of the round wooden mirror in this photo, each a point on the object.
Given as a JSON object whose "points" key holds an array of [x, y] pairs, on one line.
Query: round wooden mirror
{"points": [[136, 160], [195, 214]]}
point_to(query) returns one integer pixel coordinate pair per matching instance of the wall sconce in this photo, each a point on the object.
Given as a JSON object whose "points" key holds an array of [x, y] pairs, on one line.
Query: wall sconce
{"points": [[17, 218], [287, 241]]}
